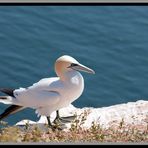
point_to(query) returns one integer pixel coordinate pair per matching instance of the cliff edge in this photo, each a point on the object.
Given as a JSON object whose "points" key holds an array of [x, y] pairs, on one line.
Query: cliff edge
{"points": [[131, 113]]}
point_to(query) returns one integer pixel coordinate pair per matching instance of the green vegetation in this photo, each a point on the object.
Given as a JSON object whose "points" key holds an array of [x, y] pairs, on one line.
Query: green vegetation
{"points": [[119, 133]]}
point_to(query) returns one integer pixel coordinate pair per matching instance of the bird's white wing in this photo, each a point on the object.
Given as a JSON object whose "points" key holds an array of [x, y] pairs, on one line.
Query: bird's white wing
{"points": [[38, 95], [47, 84], [37, 99]]}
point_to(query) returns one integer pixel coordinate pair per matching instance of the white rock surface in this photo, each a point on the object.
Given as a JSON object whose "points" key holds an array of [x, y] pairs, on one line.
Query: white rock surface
{"points": [[131, 112]]}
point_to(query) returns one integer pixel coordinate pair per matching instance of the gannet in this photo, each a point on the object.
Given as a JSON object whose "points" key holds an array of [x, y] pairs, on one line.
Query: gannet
{"points": [[48, 94]]}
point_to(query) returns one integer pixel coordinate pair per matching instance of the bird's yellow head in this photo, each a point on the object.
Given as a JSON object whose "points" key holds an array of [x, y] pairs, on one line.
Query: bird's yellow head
{"points": [[67, 63]]}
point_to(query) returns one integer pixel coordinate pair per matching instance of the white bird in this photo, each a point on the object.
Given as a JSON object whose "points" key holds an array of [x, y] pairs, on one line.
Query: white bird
{"points": [[48, 94]]}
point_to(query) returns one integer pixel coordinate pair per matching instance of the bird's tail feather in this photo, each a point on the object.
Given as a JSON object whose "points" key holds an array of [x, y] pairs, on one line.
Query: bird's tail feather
{"points": [[6, 99], [10, 110], [9, 100]]}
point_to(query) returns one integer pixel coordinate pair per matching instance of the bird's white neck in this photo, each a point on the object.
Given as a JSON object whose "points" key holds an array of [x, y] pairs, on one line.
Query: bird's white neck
{"points": [[72, 76]]}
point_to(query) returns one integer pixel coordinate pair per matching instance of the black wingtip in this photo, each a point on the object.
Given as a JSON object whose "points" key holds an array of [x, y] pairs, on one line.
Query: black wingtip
{"points": [[3, 97], [10, 110], [8, 91]]}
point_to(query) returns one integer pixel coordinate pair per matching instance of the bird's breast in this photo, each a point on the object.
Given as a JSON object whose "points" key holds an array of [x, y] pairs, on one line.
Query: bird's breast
{"points": [[73, 89]]}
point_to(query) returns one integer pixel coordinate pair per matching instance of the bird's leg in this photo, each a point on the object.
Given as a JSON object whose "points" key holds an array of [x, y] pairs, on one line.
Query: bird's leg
{"points": [[53, 127], [49, 122], [59, 119]]}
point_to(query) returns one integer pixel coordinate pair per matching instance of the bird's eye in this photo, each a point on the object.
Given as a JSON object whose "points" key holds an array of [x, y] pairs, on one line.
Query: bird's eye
{"points": [[73, 64]]}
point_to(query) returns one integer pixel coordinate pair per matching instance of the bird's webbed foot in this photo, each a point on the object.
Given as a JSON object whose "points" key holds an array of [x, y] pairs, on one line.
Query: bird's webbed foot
{"points": [[55, 126], [63, 120], [59, 122]]}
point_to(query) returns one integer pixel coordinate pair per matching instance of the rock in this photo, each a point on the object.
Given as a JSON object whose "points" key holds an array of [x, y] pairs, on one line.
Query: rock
{"points": [[135, 113]]}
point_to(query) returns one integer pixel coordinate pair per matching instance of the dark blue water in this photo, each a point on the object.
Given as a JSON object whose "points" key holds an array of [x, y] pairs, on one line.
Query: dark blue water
{"points": [[112, 40]]}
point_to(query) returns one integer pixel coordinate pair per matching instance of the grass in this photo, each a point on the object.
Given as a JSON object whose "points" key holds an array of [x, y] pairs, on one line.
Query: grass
{"points": [[120, 133]]}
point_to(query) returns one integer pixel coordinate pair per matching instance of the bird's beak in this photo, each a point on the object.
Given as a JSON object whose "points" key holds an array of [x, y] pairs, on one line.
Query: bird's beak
{"points": [[83, 68]]}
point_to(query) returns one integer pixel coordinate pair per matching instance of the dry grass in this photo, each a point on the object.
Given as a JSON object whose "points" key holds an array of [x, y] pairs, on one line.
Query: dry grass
{"points": [[120, 133]]}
